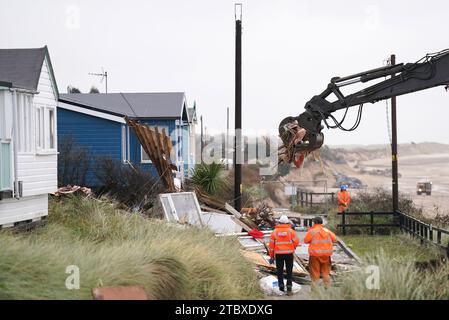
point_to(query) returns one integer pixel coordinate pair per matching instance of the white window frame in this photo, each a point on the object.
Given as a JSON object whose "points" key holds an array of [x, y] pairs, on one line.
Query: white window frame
{"points": [[45, 130], [142, 152], [123, 143]]}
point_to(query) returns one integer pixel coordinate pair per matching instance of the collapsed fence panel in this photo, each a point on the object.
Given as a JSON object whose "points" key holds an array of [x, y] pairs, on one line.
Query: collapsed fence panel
{"points": [[158, 147]]}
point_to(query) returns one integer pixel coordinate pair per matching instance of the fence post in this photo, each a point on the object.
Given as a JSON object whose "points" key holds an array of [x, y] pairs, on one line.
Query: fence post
{"points": [[311, 199], [430, 232], [421, 232], [439, 237], [343, 222], [372, 222]]}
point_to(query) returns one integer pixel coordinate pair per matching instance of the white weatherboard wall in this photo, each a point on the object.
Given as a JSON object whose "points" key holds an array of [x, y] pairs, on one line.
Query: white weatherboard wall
{"points": [[27, 208], [38, 167], [37, 150]]}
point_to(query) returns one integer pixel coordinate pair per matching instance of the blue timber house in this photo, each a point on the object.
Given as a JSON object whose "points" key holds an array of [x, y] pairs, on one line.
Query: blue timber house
{"points": [[95, 121]]}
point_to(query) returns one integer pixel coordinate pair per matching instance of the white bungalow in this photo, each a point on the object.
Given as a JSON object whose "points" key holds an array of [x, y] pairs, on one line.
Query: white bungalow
{"points": [[28, 139]]}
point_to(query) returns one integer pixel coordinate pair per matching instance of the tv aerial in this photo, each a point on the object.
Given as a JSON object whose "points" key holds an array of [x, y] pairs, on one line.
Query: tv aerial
{"points": [[103, 75]]}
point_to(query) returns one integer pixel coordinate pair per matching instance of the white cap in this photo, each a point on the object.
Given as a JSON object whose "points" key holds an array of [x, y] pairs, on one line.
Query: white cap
{"points": [[284, 219]]}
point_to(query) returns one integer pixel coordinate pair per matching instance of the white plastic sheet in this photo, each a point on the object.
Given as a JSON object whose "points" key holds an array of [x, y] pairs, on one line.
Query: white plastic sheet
{"points": [[270, 287]]}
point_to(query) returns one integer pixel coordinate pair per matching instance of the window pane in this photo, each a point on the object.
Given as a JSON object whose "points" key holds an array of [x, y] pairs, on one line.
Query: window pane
{"points": [[145, 156], [5, 166], [39, 128], [52, 128]]}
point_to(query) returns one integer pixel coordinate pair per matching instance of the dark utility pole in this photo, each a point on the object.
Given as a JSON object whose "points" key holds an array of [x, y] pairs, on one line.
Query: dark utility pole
{"points": [[238, 109], [394, 147]]}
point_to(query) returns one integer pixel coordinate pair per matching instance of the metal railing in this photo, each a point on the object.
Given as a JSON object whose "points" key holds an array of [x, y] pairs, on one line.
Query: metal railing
{"points": [[423, 231]]}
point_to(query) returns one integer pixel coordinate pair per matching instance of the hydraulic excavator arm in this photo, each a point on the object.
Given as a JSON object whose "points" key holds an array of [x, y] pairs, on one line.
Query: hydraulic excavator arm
{"points": [[430, 71]]}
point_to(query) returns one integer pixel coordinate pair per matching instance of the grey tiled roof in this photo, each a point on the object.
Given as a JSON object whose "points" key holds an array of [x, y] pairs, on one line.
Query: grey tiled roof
{"points": [[136, 105], [22, 67]]}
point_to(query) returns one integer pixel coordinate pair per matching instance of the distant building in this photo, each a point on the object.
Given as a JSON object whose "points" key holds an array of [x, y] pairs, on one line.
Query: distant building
{"points": [[96, 122], [28, 135]]}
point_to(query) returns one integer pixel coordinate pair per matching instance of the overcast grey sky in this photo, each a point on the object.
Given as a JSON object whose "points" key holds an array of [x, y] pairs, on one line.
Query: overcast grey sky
{"points": [[291, 49]]}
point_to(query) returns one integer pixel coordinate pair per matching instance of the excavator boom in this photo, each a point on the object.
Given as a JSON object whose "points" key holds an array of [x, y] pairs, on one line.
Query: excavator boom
{"points": [[430, 71]]}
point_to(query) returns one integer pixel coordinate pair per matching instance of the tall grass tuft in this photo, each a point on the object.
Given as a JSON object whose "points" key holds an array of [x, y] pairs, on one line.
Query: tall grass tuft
{"points": [[112, 247], [398, 279]]}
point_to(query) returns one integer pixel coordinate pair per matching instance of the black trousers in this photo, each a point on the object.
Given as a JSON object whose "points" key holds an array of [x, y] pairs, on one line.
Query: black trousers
{"points": [[286, 259]]}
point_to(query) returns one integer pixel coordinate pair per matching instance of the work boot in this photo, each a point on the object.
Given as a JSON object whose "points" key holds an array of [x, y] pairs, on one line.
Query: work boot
{"points": [[281, 288], [289, 290]]}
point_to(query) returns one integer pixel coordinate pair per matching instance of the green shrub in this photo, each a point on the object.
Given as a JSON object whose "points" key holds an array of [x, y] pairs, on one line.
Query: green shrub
{"points": [[209, 177]]}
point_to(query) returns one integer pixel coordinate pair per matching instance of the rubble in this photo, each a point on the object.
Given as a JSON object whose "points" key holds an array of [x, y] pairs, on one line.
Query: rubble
{"points": [[293, 135], [352, 182], [69, 190]]}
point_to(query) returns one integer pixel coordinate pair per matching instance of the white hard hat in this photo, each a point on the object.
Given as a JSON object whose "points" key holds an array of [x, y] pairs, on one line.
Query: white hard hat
{"points": [[284, 219]]}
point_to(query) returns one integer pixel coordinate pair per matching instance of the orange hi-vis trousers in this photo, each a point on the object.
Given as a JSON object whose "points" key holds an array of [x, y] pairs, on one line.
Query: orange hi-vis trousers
{"points": [[320, 265]]}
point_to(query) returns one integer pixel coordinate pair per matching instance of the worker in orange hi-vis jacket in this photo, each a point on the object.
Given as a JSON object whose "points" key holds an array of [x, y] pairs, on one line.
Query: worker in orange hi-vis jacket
{"points": [[320, 240], [282, 245], [344, 198]]}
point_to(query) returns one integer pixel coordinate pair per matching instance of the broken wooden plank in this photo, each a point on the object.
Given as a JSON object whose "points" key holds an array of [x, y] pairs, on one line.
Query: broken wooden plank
{"points": [[232, 211], [240, 223], [262, 260]]}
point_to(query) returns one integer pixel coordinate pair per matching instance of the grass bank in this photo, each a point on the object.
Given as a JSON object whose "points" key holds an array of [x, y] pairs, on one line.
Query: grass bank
{"points": [[398, 258], [392, 246], [399, 278], [113, 247]]}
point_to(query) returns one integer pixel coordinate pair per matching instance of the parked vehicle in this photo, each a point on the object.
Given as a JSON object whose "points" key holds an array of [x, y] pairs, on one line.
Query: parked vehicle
{"points": [[424, 187]]}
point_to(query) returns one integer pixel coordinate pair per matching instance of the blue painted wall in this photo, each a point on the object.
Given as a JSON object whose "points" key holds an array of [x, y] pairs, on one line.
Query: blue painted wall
{"points": [[104, 138], [101, 137]]}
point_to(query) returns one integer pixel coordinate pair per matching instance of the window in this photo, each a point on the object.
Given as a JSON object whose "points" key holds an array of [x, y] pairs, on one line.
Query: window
{"points": [[144, 157], [5, 166], [40, 128], [24, 132], [45, 129], [125, 149]]}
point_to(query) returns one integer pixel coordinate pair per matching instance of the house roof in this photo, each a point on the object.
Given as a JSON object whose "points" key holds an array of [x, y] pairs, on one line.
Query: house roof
{"points": [[192, 114], [22, 67], [133, 105]]}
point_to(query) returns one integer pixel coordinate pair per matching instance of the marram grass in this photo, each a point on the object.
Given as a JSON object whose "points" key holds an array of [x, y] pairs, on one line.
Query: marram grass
{"points": [[113, 247], [399, 279]]}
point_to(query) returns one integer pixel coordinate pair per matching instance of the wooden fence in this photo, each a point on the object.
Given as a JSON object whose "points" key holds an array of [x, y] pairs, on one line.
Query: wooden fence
{"points": [[371, 225], [305, 198]]}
